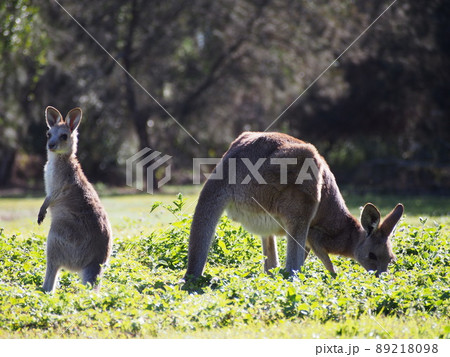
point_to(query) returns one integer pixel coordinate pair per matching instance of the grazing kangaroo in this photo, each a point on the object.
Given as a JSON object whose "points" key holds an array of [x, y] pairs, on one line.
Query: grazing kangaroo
{"points": [[292, 193], [80, 233]]}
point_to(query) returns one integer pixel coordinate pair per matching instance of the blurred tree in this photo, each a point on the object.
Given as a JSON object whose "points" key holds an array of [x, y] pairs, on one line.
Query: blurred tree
{"points": [[22, 59], [223, 67], [393, 107]]}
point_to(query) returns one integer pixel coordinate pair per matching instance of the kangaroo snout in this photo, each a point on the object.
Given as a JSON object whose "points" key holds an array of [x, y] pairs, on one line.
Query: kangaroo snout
{"points": [[379, 271], [52, 146]]}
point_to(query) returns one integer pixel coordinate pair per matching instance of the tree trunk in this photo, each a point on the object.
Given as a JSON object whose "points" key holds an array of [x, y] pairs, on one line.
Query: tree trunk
{"points": [[139, 117], [8, 156]]}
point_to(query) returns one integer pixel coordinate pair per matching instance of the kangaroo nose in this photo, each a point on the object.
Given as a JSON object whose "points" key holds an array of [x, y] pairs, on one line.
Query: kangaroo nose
{"points": [[379, 271], [51, 146]]}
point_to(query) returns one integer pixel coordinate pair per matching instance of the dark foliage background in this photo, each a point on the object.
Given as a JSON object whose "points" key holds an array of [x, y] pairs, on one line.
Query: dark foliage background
{"points": [[379, 115]]}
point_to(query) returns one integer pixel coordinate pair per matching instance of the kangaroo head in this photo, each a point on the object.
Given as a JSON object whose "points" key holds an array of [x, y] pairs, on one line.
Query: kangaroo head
{"points": [[375, 251], [62, 134]]}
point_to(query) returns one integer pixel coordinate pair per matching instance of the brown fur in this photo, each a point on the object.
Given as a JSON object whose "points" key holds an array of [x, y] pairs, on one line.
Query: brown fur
{"points": [[312, 214], [80, 236]]}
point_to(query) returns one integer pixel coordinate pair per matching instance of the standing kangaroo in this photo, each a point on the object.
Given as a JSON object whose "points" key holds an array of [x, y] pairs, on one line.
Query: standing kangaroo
{"points": [[287, 199], [80, 233]]}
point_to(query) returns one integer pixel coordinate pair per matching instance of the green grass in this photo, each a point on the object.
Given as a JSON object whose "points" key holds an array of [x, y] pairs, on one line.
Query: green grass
{"points": [[142, 295]]}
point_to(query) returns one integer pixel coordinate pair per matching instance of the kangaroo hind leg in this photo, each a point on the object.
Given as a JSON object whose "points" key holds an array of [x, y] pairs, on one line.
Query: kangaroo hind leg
{"points": [[91, 274], [270, 252], [51, 275]]}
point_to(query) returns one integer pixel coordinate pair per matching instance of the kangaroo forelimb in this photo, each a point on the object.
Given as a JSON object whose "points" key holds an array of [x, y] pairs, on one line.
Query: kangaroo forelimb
{"points": [[43, 210]]}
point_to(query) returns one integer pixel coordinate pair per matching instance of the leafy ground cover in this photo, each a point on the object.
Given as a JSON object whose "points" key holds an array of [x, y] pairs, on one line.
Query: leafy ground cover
{"points": [[142, 295]]}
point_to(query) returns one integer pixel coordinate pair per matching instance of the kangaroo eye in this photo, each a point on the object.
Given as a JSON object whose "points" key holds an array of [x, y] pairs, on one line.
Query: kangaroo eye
{"points": [[372, 256], [49, 135], [63, 137]]}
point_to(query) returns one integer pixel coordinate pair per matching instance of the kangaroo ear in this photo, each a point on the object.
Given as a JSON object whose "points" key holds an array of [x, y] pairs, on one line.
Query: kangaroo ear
{"points": [[73, 118], [391, 220], [52, 116], [370, 218]]}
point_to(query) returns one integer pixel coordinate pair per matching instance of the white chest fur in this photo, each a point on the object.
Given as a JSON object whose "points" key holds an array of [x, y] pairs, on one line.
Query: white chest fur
{"points": [[49, 174], [254, 220]]}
